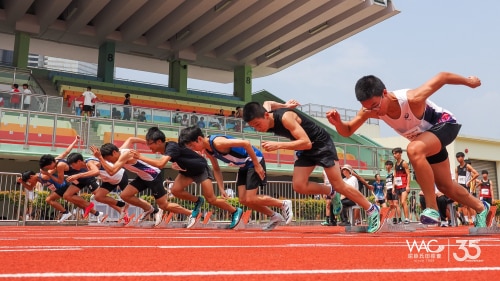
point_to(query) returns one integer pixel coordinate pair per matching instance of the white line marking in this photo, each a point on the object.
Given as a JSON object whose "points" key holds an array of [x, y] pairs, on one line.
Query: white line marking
{"points": [[245, 272]]}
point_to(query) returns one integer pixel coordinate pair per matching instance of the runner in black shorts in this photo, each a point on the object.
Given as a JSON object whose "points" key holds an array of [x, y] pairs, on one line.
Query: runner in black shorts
{"points": [[314, 147], [251, 174], [192, 168]]}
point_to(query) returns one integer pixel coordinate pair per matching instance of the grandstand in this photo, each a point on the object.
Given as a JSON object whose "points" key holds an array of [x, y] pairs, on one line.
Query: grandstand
{"points": [[220, 41]]}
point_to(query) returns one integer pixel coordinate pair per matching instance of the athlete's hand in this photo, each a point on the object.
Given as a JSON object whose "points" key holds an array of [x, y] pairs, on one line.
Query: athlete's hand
{"points": [[270, 145], [136, 154], [223, 194], [71, 178], [473, 82], [292, 104], [333, 117], [95, 151], [259, 170]]}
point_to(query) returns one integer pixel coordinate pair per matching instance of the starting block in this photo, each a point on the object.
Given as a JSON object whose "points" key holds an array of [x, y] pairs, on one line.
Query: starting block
{"points": [[166, 222], [244, 222], [386, 214], [492, 226], [207, 223]]}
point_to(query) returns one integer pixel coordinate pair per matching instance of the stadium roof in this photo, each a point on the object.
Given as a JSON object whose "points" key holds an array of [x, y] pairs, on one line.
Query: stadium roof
{"points": [[215, 34]]}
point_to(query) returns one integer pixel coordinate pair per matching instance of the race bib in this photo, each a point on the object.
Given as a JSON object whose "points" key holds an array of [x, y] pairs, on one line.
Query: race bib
{"points": [[485, 191], [398, 181], [462, 179]]}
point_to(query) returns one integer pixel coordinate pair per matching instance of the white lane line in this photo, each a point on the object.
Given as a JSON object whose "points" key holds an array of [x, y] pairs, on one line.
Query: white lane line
{"points": [[246, 272]]}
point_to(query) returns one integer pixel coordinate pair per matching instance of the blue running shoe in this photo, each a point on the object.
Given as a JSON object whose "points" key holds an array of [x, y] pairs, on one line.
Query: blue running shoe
{"points": [[336, 203], [374, 220], [236, 218], [197, 207], [481, 217], [430, 216]]}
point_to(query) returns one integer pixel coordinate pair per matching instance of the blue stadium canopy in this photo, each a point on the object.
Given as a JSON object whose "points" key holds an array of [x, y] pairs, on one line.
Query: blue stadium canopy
{"points": [[210, 34]]}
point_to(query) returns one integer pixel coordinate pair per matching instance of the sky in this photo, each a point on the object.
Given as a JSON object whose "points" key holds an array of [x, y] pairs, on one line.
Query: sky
{"points": [[406, 50]]}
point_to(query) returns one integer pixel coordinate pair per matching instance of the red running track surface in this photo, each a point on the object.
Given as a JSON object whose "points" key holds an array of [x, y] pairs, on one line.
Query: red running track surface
{"points": [[101, 253]]}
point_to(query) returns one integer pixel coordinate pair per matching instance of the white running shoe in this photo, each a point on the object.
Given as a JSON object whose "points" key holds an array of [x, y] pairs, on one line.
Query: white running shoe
{"points": [[145, 214], [101, 217], [158, 217], [287, 210], [274, 221], [191, 221], [64, 217]]}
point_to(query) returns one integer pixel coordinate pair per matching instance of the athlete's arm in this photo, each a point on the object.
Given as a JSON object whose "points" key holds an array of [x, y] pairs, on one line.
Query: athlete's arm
{"points": [[93, 171], [158, 163], [291, 123], [69, 148], [132, 140], [417, 97], [223, 144], [272, 105], [217, 175], [348, 128], [408, 175]]}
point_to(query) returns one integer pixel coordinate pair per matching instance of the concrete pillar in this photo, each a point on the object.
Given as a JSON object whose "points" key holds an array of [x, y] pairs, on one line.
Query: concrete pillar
{"points": [[177, 75], [243, 82], [106, 62], [21, 50]]}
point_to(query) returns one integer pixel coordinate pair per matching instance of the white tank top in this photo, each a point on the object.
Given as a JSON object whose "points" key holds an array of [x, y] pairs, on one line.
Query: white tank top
{"points": [[408, 125]]}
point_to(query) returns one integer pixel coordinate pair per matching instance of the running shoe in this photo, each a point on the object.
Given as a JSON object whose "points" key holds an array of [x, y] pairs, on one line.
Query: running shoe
{"points": [[88, 209], [274, 221], [125, 219], [407, 221], [374, 220], [64, 217], [286, 208], [158, 217], [336, 203], [481, 217], [236, 218], [430, 216], [145, 214], [101, 217], [197, 207], [191, 221]]}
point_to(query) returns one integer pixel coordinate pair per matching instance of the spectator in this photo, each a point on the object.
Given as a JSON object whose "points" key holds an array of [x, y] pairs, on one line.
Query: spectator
{"points": [[177, 116], [485, 186], [142, 117], [136, 113], [201, 122], [194, 119], [15, 98], [185, 120], [126, 109], [351, 181], [27, 97], [331, 219], [89, 97], [116, 114], [239, 112], [379, 191]]}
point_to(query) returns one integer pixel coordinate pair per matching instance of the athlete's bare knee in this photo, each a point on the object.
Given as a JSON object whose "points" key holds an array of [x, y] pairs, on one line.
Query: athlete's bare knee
{"points": [[211, 200]]}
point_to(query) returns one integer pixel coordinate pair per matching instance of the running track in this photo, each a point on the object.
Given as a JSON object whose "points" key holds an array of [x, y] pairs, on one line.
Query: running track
{"points": [[101, 253]]}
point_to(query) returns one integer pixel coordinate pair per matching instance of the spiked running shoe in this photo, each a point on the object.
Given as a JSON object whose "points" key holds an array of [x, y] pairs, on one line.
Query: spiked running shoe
{"points": [[274, 221], [145, 214], [158, 217], [236, 218], [374, 220], [191, 221], [336, 203], [64, 217], [197, 207], [430, 216], [286, 208], [481, 217], [88, 209]]}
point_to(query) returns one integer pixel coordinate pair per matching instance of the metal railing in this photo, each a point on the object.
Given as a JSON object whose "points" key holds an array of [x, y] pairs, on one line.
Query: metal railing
{"points": [[318, 110]]}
